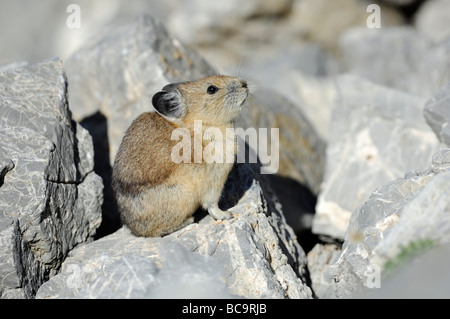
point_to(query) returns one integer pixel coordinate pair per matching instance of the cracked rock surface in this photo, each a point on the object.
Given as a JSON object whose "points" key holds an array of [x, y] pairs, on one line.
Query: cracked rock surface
{"points": [[253, 255], [398, 219], [50, 198]]}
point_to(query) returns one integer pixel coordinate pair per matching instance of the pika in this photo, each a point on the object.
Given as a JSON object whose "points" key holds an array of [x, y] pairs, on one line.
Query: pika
{"points": [[155, 195]]}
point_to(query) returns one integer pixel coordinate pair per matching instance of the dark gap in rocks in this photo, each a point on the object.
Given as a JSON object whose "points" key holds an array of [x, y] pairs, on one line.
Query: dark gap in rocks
{"points": [[97, 125]]}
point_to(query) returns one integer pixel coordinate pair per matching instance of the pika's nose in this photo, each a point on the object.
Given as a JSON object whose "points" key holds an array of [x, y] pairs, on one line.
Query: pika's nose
{"points": [[243, 83]]}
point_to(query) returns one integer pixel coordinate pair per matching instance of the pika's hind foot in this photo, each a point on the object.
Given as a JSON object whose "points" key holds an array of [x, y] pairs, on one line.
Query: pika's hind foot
{"points": [[218, 214]]}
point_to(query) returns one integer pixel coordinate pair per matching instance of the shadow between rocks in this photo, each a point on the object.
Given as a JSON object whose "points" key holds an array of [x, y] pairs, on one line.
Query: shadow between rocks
{"points": [[298, 204], [97, 126]]}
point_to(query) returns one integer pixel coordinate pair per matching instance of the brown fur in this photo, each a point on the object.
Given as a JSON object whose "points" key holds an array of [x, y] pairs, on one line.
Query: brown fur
{"points": [[155, 195]]}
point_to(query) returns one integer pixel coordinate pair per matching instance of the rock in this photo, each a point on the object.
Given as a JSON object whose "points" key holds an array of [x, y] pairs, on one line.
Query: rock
{"points": [[320, 258], [134, 275], [48, 30], [207, 21], [50, 197], [425, 276], [396, 57], [315, 97], [402, 218], [431, 20], [303, 74], [323, 21], [437, 114], [376, 135], [255, 254]]}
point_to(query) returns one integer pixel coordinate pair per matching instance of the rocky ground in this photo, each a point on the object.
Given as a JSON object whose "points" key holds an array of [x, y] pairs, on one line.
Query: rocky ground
{"points": [[360, 206]]}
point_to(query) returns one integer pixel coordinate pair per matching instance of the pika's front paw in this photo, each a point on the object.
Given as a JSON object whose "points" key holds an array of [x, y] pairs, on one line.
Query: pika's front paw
{"points": [[218, 214]]}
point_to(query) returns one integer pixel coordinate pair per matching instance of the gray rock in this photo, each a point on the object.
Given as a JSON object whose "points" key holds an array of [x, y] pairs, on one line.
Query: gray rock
{"points": [[431, 20], [425, 276], [376, 135], [49, 196], [208, 21], [180, 274], [253, 255], [320, 258], [46, 32], [323, 21], [303, 74], [401, 218], [396, 57], [437, 114]]}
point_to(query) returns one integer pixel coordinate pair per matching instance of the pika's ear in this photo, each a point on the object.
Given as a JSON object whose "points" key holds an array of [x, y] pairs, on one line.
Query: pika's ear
{"points": [[168, 104]]}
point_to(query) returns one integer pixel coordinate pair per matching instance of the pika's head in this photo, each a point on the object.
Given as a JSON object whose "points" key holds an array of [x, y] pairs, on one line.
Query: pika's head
{"points": [[216, 100]]}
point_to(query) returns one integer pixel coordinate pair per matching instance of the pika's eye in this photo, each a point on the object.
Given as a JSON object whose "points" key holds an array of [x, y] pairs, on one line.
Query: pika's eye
{"points": [[212, 89]]}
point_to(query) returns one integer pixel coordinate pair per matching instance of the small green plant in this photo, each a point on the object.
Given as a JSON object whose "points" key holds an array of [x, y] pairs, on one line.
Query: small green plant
{"points": [[407, 253]]}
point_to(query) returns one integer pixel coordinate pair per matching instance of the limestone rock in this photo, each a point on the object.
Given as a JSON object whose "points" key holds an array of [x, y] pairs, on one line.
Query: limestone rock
{"points": [[424, 276], [304, 75], [320, 258], [432, 19], [376, 135], [48, 31], [136, 274], [324, 21], [396, 57], [253, 255], [49, 196], [437, 114], [400, 218], [207, 21]]}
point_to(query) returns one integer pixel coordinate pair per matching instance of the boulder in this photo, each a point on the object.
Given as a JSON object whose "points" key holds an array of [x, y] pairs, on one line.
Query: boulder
{"points": [[437, 114], [50, 198], [323, 21], [424, 276], [396, 57], [51, 31], [254, 255], [431, 20], [303, 73], [209, 23], [376, 135], [320, 258], [401, 219], [169, 271]]}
